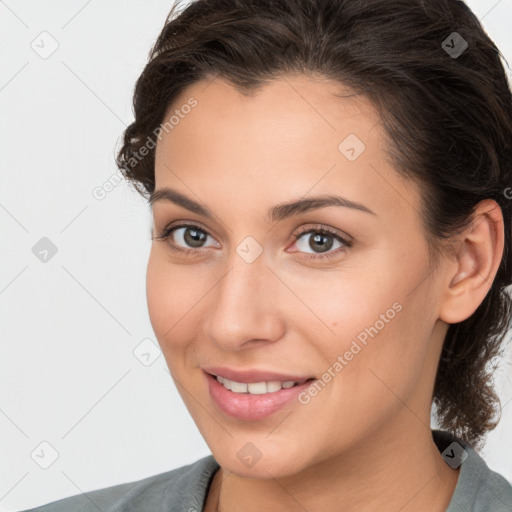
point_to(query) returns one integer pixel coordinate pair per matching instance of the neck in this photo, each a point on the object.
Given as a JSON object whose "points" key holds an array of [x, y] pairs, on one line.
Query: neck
{"points": [[387, 472]]}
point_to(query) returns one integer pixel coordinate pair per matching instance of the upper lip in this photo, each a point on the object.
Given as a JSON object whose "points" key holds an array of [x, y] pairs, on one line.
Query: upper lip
{"points": [[248, 376]]}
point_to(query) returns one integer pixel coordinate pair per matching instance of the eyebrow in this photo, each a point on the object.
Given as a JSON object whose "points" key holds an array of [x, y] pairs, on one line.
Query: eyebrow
{"points": [[276, 213]]}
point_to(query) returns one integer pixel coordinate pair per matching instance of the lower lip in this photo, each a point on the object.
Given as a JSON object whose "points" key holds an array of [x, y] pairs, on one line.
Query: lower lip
{"points": [[246, 406]]}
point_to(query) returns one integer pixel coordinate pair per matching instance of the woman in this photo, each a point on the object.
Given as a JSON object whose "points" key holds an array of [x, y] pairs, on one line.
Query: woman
{"points": [[330, 183]]}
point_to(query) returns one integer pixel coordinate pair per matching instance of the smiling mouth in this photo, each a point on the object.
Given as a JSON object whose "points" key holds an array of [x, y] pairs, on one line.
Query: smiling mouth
{"points": [[256, 398], [258, 388]]}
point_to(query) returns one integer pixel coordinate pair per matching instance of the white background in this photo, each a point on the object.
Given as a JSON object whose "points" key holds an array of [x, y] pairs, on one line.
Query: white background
{"points": [[69, 326]]}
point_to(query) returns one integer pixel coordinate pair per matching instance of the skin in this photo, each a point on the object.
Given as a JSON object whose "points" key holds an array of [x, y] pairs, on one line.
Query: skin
{"points": [[364, 442]]}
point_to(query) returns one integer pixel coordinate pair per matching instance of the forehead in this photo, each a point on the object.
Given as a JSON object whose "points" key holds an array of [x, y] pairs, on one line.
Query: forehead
{"points": [[315, 99], [291, 117], [288, 137]]}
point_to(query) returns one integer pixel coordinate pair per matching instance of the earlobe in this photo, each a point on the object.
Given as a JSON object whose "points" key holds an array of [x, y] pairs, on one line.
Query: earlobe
{"points": [[476, 264]]}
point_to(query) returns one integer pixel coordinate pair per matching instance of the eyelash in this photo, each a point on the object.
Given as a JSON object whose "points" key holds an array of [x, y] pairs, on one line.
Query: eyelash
{"points": [[167, 231]]}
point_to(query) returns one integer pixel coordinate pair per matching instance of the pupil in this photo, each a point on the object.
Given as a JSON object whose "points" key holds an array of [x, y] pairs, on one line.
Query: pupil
{"points": [[321, 240], [194, 237]]}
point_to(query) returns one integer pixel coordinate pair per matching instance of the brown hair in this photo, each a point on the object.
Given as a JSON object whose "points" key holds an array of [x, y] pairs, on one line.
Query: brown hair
{"points": [[447, 116]]}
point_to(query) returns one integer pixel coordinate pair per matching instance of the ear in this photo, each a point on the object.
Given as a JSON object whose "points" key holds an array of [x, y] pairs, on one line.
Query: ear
{"points": [[471, 274]]}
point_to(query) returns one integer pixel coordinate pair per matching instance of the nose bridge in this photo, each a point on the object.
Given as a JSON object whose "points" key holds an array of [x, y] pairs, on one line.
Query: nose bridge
{"points": [[244, 301]]}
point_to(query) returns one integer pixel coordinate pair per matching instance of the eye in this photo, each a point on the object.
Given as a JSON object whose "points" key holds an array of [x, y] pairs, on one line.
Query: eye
{"points": [[323, 241], [184, 236], [189, 239]]}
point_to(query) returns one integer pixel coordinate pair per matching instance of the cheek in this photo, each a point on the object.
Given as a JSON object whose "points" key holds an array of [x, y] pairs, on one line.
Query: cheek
{"points": [[383, 360], [171, 293], [373, 322], [346, 305]]}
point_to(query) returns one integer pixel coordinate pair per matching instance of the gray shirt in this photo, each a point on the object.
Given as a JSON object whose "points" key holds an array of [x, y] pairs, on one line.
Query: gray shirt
{"points": [[479, 489]]}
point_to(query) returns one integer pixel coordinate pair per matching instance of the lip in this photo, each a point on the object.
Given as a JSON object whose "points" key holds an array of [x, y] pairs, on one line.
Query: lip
{"points": [[247, 376], [248, 407]]}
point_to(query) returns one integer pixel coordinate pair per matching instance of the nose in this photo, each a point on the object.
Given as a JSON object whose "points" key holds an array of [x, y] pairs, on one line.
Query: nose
{"points": [[245, 311]]}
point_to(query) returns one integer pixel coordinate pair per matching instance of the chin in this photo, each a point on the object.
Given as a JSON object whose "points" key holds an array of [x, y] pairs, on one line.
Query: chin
{"points": [[254, 460]]}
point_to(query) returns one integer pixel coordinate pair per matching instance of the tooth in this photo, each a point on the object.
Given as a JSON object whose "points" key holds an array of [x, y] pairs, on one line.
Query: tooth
{"points": [[257, 388], [225, 382], [239, 387], [273, 386]]}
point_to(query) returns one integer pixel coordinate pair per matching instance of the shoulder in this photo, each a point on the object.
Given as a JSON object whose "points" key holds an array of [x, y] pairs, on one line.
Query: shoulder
{"points": [[489, 490], [180, 489], [479, 488]]}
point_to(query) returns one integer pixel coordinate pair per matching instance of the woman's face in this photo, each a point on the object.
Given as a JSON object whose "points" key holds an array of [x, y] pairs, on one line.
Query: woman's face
{"points": [[251, 289]]}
